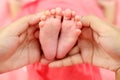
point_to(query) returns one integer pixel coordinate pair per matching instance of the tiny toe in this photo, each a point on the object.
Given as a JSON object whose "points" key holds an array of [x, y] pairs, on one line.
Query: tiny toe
{"points": [[43, 17], [52, 11], [41, 24], [58, 12], [47, 13], [67, 14], [77, 18]]}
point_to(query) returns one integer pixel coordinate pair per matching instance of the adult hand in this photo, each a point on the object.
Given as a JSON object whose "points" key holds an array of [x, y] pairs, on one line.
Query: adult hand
{"points": [[18, 44], [99, 44]]}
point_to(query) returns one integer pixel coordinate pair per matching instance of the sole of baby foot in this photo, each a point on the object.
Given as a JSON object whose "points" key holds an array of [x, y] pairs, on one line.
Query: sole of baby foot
{"points": [[49, 32], [69, 33]]}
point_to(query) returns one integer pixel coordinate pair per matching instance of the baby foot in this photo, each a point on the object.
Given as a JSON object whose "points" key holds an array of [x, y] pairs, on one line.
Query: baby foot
{"points": [[49, 31], [69, 33]]}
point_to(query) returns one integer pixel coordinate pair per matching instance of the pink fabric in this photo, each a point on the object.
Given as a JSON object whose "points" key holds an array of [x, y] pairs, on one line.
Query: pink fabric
{"points": [[76, 72], [78, 5], [20, 74], [107, 75]]}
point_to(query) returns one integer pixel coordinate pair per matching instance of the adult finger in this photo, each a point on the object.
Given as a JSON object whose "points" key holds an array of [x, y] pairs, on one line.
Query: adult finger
{"points": [[22, 24], [96, 24]]}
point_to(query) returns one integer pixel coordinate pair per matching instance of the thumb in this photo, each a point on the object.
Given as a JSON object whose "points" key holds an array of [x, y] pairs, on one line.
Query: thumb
{"points": [[21, 25], [96, 24]]}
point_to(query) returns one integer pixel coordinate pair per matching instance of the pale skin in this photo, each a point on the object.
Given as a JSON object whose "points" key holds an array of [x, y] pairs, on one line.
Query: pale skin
{"points": [[18, 44], [54, 34], [99, 44]]}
